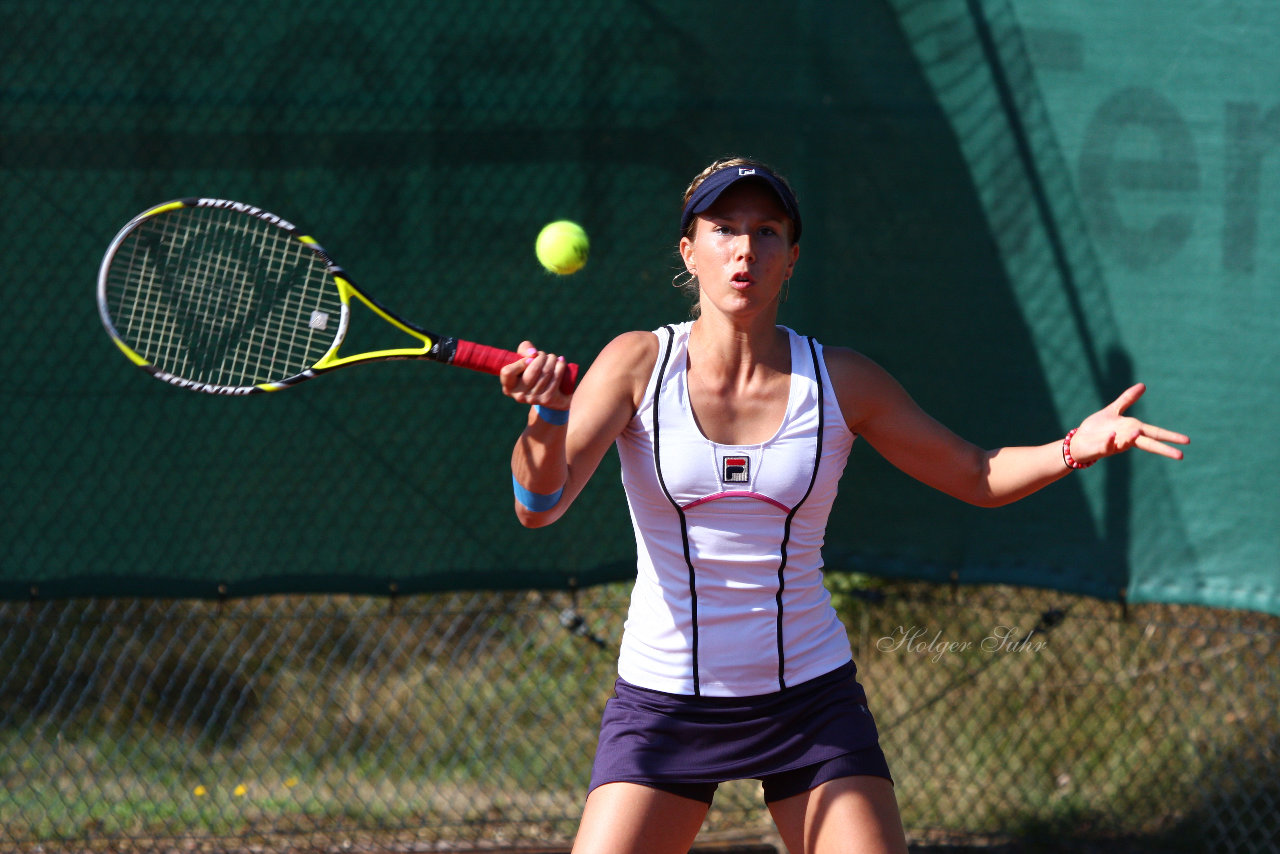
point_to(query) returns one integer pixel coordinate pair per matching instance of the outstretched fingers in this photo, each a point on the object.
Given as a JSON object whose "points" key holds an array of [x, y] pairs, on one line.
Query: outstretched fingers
{"points": [[1157, 440], [1128, 398], [1110, 431]]}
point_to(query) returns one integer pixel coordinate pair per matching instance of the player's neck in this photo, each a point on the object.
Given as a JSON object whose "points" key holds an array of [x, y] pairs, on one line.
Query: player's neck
{"points": [[726, 347]]}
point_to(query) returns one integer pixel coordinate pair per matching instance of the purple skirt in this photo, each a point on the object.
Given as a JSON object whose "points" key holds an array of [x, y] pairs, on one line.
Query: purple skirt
{"points": [[688, 744]]}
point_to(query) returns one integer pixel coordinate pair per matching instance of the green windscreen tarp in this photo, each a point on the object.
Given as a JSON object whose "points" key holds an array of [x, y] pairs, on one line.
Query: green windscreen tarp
{"points": [[1019, 207]]}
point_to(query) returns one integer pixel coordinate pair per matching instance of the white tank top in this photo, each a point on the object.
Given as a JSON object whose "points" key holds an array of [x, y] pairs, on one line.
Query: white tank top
{"points": [[729, 599]]}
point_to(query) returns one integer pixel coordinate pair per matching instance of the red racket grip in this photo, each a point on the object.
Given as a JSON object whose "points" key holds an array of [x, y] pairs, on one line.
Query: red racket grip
{"points": [[491, 360]]}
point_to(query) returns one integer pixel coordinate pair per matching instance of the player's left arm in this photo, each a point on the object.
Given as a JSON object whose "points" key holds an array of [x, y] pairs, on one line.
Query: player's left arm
{"points": [[878, 408]]}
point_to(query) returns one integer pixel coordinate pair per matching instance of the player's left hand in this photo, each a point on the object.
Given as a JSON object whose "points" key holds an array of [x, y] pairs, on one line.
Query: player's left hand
{"points": [[1109, 431]]}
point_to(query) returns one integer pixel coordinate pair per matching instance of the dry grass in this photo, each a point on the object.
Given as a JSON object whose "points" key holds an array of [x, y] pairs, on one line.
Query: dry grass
{"points": [[471, 718]]}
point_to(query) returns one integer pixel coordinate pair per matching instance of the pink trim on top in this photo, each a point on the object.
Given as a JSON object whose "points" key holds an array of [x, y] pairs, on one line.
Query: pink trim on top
{"points": [[738, 494]]}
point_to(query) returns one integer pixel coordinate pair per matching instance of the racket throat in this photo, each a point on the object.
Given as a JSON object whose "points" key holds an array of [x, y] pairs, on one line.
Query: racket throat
{"points": [[443, 350]]}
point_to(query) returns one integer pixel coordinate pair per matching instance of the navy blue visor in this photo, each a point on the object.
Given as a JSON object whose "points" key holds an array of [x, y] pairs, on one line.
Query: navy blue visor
{"points": [[717, 182]]}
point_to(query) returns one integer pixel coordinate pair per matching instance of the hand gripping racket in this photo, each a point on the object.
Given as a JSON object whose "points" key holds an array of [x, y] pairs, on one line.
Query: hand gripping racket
{"points": [[225, 298]]}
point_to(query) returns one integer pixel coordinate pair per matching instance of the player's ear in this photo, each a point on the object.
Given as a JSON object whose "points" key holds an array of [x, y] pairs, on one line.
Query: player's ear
{"points": [[686, 253]]}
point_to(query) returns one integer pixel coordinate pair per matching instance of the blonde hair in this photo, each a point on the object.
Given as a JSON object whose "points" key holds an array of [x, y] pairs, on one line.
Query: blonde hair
{"points": [[689, 285], [725, 163]]}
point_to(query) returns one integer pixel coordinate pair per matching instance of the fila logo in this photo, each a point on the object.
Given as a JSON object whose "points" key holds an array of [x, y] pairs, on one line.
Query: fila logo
{"points": [[742, 170], [735, 469]]}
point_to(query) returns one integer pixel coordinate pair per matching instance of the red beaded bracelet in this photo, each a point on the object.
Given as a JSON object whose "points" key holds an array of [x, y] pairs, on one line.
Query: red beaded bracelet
{"points": [[1066, 452]]}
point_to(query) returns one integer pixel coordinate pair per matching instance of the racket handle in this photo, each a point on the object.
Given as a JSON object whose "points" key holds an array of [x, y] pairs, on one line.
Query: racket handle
{"points": [[491, 360]]}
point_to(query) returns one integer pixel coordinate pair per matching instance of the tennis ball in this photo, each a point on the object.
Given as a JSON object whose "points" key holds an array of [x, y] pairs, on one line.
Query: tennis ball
{"points": [[562, 247]]}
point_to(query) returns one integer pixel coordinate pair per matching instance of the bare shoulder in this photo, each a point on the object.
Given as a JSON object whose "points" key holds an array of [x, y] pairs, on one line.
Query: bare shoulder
{"points": [[631, 353], [635, 344], [849, 367], [862, 386], [624, 366]]}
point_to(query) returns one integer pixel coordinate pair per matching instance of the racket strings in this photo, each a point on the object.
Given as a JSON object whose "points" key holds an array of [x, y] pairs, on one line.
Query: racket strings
{"points": [[220, 297]]}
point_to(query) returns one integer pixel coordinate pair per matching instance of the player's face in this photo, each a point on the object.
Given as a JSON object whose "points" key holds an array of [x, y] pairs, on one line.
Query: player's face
{"points": [[741, 250]]}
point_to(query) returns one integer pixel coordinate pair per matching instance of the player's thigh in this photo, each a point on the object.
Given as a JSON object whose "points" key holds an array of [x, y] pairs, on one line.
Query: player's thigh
{"points": [[848, 815], [627, 818]]}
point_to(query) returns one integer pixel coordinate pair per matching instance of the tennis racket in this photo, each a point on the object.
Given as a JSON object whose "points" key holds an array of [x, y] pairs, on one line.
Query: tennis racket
{"points": [[223, 297]]}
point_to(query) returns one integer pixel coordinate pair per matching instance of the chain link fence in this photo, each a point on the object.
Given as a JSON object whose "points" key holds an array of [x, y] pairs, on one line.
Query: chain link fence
{"points": [[425, 144], [1019, 719]]}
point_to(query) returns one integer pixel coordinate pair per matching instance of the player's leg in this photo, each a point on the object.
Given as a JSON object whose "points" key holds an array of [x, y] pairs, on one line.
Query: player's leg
{"points": [[627, 818], [847, 815]]}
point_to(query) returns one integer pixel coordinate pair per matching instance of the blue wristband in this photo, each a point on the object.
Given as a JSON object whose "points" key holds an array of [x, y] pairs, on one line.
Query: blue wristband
{"points": [[534, 501], [559, 417]]}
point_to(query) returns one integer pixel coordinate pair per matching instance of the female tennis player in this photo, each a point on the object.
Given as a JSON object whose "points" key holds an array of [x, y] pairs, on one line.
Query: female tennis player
{"points": [[733, 433]]}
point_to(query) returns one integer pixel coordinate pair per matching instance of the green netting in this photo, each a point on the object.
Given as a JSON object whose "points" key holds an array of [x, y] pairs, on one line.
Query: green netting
{"points": [[1018, 206]]}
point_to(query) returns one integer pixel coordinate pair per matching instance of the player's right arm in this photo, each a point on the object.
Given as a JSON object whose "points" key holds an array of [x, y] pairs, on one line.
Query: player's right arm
{"points": [[551, 462]]}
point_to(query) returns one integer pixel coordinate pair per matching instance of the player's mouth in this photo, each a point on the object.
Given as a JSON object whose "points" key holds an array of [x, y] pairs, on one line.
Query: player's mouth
{"points": [[741, 280]]}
